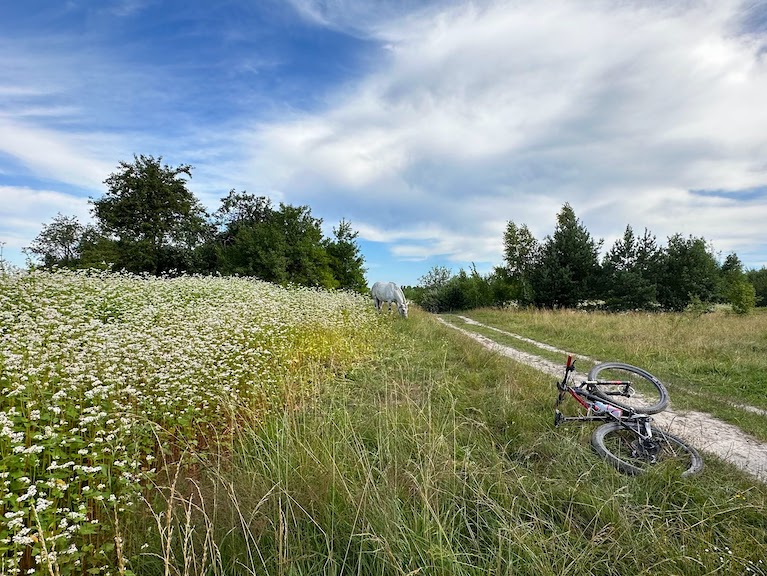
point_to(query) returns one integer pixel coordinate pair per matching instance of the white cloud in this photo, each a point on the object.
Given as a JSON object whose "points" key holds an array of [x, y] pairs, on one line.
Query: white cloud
{"points": [[71, 158], [471, 114], [24, 211], [524, 106]]}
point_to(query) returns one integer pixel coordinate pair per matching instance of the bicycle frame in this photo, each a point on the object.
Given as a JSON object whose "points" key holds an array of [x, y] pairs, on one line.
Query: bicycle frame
{"points": [[637, 422], [627, 438]]}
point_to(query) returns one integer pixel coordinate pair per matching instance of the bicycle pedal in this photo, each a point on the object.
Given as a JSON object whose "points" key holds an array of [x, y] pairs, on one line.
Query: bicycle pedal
{"points": [[558, 418]]}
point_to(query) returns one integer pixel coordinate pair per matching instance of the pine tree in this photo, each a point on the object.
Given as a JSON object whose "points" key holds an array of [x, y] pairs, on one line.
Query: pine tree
{"points": [[568, 268], [629, 272], [346, 260]]}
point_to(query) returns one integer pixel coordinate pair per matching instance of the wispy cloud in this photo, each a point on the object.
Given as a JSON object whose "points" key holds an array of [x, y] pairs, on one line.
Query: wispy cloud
{"points": [[74, 159]]}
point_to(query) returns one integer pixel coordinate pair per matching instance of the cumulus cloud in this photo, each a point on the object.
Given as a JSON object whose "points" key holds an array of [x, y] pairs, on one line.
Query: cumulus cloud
{"points": [[483, 113]]}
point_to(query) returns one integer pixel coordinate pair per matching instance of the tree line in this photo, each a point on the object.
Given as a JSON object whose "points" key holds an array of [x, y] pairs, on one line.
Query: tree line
{"points": [[149, 222], [565, 270]]}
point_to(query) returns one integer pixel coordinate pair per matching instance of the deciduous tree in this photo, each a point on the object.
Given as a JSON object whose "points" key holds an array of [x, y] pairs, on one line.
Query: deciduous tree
{"points": [[283, 245], [58, 244], [520, 252], [735, 287], [758, 279], [153, 217], [689, 271]]}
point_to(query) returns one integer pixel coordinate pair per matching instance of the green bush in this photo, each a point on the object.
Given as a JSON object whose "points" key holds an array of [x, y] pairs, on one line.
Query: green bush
{"points": [[742, 297]]}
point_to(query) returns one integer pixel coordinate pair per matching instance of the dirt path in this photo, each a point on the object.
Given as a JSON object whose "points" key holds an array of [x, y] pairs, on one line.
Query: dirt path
{"points": [[702, 430]]}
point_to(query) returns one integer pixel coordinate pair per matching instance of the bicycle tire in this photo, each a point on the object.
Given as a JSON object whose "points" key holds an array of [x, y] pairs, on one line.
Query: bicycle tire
{"points": [[651, 395], [617, 444]]}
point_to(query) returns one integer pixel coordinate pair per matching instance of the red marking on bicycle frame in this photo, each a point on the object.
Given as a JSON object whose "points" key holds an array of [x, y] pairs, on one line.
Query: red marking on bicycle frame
{"points": [[580, 400]]}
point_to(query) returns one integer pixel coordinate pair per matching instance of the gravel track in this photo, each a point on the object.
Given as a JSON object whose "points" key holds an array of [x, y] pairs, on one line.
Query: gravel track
{"points": [[699, 428]]}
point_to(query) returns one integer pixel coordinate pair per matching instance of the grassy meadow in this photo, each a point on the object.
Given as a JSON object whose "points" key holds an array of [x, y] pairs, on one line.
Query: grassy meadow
{"points": [[226, 426], [708, 361]]}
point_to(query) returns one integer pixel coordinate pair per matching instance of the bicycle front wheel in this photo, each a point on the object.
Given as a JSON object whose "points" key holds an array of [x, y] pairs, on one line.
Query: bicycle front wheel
{"points": [[629, 387], [628, 452]]}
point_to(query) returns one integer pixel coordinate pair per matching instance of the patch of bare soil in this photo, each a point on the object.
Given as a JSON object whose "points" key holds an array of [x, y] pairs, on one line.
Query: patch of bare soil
{"points": [[702, 430]]}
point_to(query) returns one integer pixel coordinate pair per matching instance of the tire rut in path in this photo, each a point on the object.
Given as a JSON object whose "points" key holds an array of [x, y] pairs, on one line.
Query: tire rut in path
{"points": [[701, 429]]}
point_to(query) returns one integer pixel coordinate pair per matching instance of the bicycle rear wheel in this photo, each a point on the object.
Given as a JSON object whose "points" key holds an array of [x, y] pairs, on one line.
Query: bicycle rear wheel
{"points": [[625, 449], [641, 391]]}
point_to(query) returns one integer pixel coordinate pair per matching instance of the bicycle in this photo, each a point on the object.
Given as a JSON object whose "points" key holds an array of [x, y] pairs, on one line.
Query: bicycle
{"points": [[624, 398]]}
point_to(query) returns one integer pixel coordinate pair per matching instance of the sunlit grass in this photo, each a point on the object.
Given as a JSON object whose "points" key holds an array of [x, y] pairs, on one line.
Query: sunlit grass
{"points": [[106, 377], [708, 361], [232, 427], [442, 458]]}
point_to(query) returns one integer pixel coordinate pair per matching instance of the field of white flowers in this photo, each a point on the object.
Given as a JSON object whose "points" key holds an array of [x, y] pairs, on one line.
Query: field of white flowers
{"points": [[106, 376]]}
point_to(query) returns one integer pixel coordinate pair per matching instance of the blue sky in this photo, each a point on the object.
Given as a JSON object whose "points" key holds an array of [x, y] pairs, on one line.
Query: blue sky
{"points": [[428, 125]]}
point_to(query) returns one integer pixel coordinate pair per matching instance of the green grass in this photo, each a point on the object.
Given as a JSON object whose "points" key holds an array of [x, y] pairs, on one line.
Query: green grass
{"points": [[441, 458], [505, 338], [430, 456], [708, 362]]}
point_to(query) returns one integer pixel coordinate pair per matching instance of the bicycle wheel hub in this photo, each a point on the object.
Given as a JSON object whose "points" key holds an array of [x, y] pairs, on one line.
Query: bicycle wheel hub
{"points": [[645, 450]]}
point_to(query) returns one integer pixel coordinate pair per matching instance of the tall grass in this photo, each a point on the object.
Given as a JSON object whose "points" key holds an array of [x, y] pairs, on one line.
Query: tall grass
{"points": [[721, 352], [424, 454], [441, 458]]}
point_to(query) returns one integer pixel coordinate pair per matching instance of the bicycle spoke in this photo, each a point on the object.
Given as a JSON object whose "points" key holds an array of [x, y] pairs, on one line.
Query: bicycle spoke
{"points": [[627, 450]]}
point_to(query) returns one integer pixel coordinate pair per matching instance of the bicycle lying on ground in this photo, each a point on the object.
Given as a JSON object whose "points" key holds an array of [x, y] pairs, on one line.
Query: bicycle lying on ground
{"points": [[624, 397]]}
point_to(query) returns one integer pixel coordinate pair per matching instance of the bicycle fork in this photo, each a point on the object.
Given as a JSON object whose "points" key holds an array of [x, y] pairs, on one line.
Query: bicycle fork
{"points": [[644, 446]]}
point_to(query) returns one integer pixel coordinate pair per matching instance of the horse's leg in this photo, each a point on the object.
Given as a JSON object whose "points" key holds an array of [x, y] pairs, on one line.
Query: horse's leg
{"points": [[378, 304]]}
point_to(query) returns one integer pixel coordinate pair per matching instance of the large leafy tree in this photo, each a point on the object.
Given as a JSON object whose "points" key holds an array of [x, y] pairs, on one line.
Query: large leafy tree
{"points": [[283, 245], [436, 277], [520, 252], [735, 287], [96, 249], [758, 279], [248, 242], [155, 221], [241, 209], [430, 294], [308, 263], [568, 267]]}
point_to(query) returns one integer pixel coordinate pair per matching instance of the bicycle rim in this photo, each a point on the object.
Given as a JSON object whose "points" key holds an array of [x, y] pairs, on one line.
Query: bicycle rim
{"points": [[624, 449], [645, 394]]}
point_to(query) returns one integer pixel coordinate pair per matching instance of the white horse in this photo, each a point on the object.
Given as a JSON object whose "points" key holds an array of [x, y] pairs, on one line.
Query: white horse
{"points": [[389, 292]]}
